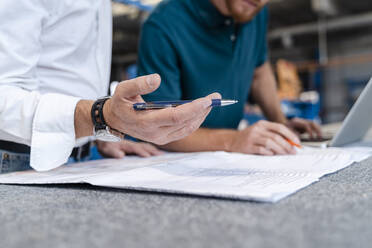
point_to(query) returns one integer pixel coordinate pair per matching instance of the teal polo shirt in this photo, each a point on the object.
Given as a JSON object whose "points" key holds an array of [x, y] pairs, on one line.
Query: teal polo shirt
{"points": [[197, 51]]}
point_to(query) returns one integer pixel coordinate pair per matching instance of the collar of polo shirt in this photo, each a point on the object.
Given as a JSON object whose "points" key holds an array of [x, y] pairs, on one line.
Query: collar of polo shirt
{"points": [[210, 15]]}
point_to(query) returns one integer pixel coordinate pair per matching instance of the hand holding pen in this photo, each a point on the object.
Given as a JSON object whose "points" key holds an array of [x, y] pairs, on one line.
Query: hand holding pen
{"points": [[161, 126]]}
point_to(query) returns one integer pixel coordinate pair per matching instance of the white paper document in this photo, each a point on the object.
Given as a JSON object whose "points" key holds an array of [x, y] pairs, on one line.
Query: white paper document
{"points": [[217, 174]]}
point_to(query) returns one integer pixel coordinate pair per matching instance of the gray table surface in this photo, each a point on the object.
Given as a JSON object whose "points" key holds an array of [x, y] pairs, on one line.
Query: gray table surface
{"points": [[334, 212]]}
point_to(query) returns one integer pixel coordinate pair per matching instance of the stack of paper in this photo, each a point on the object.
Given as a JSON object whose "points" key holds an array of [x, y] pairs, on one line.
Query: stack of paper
{"points": [[218, 174]]}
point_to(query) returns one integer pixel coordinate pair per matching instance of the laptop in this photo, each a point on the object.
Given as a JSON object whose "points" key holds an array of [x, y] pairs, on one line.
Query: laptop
{"points": [[356, 124]]}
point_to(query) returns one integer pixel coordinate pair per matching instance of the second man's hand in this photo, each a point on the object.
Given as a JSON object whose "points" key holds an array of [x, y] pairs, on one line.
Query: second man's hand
{"points": [[301, 126], [127, 147], [264, 138]]}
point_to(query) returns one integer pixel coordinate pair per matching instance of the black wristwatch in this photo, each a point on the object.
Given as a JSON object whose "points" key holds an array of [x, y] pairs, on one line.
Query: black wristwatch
{"points": [[100, 129]]}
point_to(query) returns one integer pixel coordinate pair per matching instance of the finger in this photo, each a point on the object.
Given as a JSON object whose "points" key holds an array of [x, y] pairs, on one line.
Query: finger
{"points": [[181, 114], [280, 141], [138, 86], [129, 146], [190, 111], [176, 132], [135, 148], [179, 134], [196, 123], [282, 130], [206, 102], [304, 126], [214, 95], [309, 130], [108, 149], [139, 150], [152, 149], [317, 129], [271, 145], [260, 150], [118, 154], [113, 153], [173, 128]]}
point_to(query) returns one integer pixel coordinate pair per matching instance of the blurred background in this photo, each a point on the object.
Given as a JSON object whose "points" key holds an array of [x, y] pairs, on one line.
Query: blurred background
{"points": [[321, 51]]}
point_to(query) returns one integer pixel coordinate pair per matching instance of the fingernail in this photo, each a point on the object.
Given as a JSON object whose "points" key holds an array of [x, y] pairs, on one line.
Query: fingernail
{"points": [[207, 103], [120, 154], [296, 139], [218, 95], [151, 79]]}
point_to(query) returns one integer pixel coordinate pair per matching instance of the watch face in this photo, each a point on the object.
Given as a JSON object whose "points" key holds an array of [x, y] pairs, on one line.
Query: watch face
{"points": [[106, 136]]}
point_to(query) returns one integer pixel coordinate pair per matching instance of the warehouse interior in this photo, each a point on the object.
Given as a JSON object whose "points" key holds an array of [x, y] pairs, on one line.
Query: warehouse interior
{"points": [[328, 41], [97, 150]]}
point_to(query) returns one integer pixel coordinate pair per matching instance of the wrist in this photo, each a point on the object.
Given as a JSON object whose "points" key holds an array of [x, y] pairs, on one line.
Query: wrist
{"points": [[102, 129], [108, 115], [280, 118], [82, 119], [228, 140]]}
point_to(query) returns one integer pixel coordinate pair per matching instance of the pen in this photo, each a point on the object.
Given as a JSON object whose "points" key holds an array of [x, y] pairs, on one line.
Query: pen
{"points": [[293, 143], [167, 104]]}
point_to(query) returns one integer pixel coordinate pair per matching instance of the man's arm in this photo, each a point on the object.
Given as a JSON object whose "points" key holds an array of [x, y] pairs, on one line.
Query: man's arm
{"points": [[43, 121], [204, 139], [264, 92], [263, 138], [156, 126]]}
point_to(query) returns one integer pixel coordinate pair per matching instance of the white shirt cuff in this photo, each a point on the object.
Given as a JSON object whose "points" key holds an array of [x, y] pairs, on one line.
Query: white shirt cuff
{"points": [[53, 131]]}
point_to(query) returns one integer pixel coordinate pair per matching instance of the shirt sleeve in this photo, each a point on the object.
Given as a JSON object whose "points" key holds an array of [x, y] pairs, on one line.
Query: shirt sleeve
{"points": [[157, 54], [262, 38], [43, 121]]}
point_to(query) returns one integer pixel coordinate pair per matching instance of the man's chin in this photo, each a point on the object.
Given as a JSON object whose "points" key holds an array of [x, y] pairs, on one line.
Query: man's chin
{"points": [[243, 18]]}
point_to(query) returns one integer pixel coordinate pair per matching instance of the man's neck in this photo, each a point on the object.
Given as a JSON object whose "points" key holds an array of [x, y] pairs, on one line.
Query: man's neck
{"points": [[221, 6]]}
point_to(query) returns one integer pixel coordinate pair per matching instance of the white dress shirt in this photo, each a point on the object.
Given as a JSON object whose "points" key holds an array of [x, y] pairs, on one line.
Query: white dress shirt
{"points": [[52, 54]]}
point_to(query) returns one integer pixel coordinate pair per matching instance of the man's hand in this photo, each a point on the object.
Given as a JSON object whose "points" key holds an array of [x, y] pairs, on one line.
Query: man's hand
{"points": [[155, 126], [264, 138], [301, 126], [120, 149]]}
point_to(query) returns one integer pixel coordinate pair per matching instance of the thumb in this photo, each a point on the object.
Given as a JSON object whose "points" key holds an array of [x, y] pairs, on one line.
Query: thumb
{"points": [[118, 154], [138, 86], [215, 95]]}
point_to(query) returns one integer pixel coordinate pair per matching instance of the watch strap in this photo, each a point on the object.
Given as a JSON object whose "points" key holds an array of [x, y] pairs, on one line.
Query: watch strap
{"points": [[99, 120], [97, 114]]}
